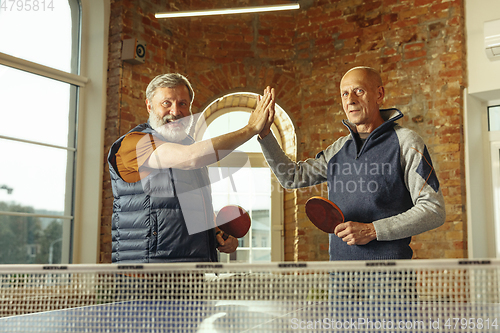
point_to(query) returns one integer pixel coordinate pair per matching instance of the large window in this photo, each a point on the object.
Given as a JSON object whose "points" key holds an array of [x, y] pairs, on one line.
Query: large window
{"points": [[39, 88], [243, 178]]}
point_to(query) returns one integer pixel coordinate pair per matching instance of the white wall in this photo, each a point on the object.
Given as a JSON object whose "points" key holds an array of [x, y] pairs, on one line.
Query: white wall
{"points": [[483, 74], [483, 90]]}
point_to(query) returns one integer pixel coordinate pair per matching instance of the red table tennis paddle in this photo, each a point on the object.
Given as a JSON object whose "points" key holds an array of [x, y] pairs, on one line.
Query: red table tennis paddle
{"points": [[233, 220], [324, 214]]}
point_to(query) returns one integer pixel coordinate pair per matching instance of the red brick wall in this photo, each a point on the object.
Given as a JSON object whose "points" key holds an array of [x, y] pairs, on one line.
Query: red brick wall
{"points": [[418, 46]]}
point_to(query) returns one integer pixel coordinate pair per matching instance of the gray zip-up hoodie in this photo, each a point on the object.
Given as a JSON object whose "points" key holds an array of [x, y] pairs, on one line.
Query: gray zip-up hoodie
{"points": [[389, 181]]}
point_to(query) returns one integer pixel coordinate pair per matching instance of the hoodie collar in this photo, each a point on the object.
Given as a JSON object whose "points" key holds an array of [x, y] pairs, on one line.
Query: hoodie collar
{"points": [[388, 115]]}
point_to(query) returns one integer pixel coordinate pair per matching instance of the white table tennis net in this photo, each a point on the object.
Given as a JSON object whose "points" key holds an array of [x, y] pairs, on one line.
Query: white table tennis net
{"points": [[357, 296]]}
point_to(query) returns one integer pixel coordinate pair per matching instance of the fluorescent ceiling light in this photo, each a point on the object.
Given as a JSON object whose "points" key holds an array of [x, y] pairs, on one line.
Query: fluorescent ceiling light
{"points": [[226, 11]]}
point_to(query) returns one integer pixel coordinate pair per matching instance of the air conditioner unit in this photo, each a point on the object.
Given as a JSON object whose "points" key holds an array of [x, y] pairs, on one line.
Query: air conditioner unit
{"points": [[492, 39]]}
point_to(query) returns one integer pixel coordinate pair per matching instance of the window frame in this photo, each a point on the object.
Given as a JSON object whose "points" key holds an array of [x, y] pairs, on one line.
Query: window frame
{"points": [[258, 160], [490, 117], [90, 104], [75, 82], [91, 128]]}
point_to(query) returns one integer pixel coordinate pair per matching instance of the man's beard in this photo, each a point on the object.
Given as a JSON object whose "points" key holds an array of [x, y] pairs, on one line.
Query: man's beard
{"points": [[172, 128]]}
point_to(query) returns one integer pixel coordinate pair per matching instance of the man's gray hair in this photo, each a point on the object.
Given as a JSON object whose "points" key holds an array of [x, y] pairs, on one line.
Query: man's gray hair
{"points": [[170, 80]]}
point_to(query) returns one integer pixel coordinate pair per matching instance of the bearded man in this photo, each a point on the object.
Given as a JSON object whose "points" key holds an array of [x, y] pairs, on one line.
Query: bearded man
{"points": [[162, 209]]}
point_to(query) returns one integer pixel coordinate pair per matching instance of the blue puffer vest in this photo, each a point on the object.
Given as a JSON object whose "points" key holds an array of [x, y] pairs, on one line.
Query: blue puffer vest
{"points": [[148, 224]]}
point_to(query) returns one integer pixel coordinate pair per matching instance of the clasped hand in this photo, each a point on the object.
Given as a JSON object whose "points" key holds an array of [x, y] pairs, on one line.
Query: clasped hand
{"points": [[356, 233], [227, 246]]}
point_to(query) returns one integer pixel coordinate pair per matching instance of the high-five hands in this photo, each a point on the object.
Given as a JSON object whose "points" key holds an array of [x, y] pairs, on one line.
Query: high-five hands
{"points": [[260, 115], [270, 118]]}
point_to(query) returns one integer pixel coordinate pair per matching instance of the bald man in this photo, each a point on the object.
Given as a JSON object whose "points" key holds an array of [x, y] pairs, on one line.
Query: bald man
{"points": [[380, 175]]}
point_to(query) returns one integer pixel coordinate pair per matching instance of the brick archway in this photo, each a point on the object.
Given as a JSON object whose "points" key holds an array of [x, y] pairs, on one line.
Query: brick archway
{"points": [[285, 132]]}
